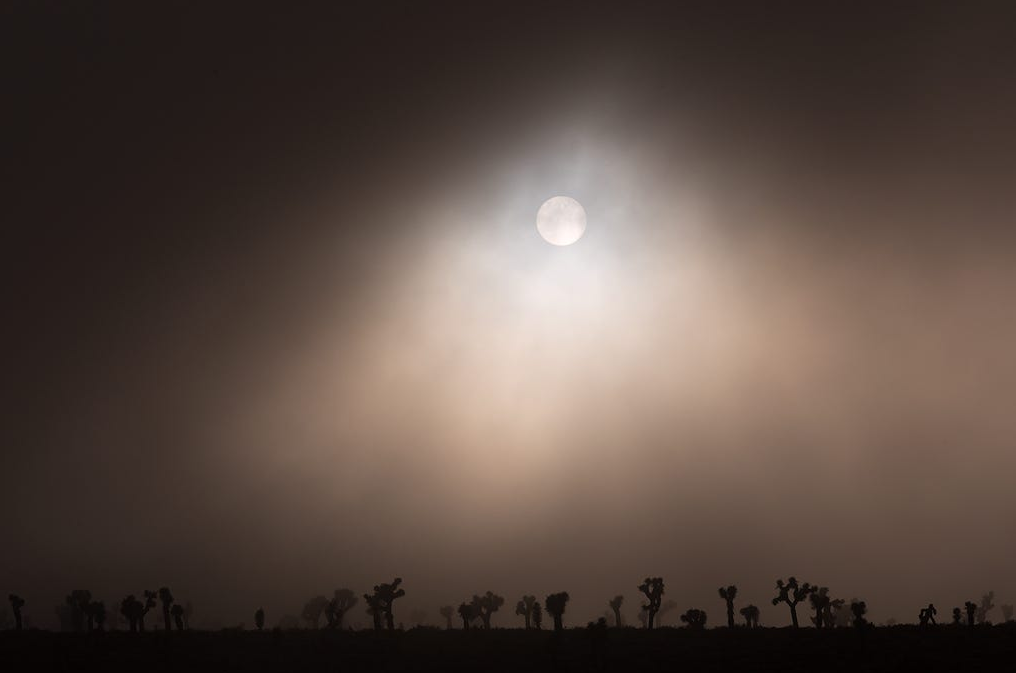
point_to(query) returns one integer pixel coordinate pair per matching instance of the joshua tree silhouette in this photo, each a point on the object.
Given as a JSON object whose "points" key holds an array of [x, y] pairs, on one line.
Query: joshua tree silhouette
{"points": [[313, 609], [259, 618], [652, 587], [859, 608], [343, 600], [381, 601], [97, 615], [823, 605], [177, 612], [488, 604], [751, 615], [971, 612], [695, 619], [525, 608], [927, 615], [957, 617], [615, 605], [78, 602], [1007, 613], [468, 612], [166, 596], [791, 593], [447, 612], [985, 607], [130, 608], [17, 602], [555, 607], [537, 616], [729, 594]]}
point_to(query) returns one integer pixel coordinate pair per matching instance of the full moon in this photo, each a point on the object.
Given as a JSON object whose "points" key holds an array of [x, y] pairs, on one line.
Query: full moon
{"points": [[561, 220]]}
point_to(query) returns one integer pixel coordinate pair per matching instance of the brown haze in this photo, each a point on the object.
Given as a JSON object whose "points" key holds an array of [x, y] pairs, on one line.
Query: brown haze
{"points": [[281, 320]]}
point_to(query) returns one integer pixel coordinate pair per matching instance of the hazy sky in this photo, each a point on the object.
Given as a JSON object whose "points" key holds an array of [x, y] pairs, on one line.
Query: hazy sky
{"points": [[278, 319]]}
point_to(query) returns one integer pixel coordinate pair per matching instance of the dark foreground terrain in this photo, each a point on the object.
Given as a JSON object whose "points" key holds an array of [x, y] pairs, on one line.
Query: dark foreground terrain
{"points": [[899, 648]]}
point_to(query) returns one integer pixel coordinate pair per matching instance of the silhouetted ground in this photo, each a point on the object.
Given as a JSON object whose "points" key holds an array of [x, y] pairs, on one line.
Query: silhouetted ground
{"points": [[897, 648]]}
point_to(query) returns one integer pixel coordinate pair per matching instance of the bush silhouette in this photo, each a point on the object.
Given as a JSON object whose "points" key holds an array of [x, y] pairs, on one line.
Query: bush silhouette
{"points": [[652, 587], [17, 602], [447, 612], [166, 596], [695, 619], [259, 618], [791, 593], [728, 594], [555, 607], [615, 606], [927, 615], [525, 608], [985, 607], [751, 616], [342, 601]]}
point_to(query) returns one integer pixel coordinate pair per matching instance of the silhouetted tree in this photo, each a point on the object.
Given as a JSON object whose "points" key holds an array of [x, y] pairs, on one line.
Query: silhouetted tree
{"points": [[957, 617], [751, 615], [971, 612], [488, 604], [537, 616], [468, 612], [823, 605], [927, 615], [146, 608], [615, 605], [97, 615], [313, 610], [695, 619], [729, 594], [177, 611], [342, 601], [859, 609], [259, 618], [1007, 611], [381, 602], [525, 608], [555, 607], [791, 593], [985, 607], [78, 601], [652, 587], [130, 608], [166, 596], [17, 602], [447, 612]]}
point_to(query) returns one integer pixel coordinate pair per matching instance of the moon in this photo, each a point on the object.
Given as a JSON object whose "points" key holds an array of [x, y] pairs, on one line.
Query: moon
{"points": [[561, 220]]}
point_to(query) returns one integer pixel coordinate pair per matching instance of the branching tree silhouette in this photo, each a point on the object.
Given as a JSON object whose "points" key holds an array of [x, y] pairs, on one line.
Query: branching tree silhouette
{"points": [[927, 615], [17, 602], [859, 609], [695, 619], [525, 608], [447, 612], [78, 601], [488, 604], [985, 607], [652, 587], [166, 596], [381, 602], [259, 618], [537, 616], [729, 594], [615, 605], [131, 608], [148, 605], [824, 606], [971, 612], [791, 593], [313, 610], [342, 601], [177, 611], [468, 612], [555, 607], [751, 615]]}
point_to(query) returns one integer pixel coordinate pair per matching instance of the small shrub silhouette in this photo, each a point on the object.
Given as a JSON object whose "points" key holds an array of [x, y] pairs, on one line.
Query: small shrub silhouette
{"points": [[555, 607], [615, 606], [166, 596], [859, 609], [259, 618], [342, 601], [524, 608], [695, 619], [927, 615], [751, 615], [971, 612], [447, 611], [791, 593], [17, 602], [537, 616], [985, 607], [652, 587], [728, 594]]}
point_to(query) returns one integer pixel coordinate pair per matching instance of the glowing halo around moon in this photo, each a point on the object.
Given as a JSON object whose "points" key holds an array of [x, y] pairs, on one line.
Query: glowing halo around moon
{"points": [[561, 220]]}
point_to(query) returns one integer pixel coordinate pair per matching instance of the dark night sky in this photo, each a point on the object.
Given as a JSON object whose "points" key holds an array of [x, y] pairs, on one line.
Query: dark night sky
{"points": [[278, 320]]}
